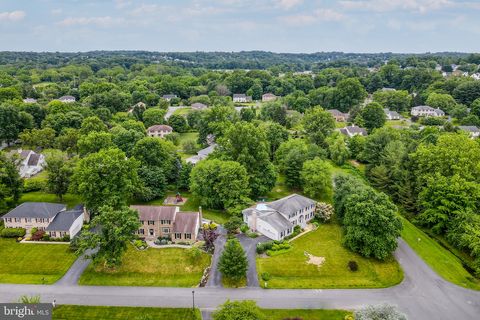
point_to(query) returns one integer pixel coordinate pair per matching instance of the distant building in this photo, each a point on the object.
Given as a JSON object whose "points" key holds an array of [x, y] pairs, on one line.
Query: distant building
{"points": [[202, 154], [392, 115], [426, 111], [67, 99], [241, 98], [169, 97], [268, 97], [338, 115], [473, 131], [159, 130], [353, 130], [29, 163], [199, 106], [29, 100], [388, 89]]}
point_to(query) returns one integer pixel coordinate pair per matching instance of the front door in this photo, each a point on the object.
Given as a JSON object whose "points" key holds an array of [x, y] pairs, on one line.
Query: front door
{"points": [[151, 233]]}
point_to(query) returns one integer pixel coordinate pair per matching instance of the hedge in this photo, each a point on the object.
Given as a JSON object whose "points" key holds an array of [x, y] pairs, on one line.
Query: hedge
{"points": [[12, 232]]}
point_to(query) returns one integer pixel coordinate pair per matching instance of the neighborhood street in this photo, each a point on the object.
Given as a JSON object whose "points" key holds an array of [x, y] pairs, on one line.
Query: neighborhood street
{"points": [[421, 295]]}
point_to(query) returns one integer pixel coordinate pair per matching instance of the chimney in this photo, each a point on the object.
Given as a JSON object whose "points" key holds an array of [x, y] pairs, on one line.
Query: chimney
{"points": [[200, 215], [86, 215]]}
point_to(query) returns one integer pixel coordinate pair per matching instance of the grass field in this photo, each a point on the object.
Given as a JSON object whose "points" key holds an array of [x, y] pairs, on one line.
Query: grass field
{"points": [[70, 312], [310, 314], [167, 267], [442, 261], [29, 263], [182, 111], [290, 270], [71, 200]]}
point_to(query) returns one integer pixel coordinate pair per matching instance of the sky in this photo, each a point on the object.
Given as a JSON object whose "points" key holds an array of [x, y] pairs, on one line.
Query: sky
{"points": [[403, 26]]}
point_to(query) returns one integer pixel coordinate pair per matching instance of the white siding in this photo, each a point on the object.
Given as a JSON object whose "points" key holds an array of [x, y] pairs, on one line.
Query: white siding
{"points": [[76, 226]]}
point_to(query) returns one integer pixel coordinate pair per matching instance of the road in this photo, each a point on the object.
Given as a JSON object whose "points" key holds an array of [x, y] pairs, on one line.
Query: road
{"points": [[421, 295]]}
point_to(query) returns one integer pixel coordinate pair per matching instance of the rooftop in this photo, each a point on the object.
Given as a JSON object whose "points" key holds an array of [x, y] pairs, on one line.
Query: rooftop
{"points": [[64, 220], [291, 203], [186, 222], [36, 210], [159, 127], [146, 213]]}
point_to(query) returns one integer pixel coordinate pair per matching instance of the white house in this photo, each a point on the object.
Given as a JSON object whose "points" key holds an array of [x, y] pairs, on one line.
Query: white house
{"points": [[169, 97], [67, 99], [426, 111], [241, 97], [66, 223], [353, 130], [29, 163], [202, 154], [159, 130], [277, 219], [473, 131], [29, 100], [392, 115]]}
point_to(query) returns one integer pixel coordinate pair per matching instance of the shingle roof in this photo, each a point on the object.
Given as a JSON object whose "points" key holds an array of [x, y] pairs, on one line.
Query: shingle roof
{"points": [[336, 112], [155, 212], [291, 204], [198, 105], [159, 127], [35, 210], [276, 220], [67, 98], [64, 220], [268, 95], [186, 222], [33, 160], [239, 95]]}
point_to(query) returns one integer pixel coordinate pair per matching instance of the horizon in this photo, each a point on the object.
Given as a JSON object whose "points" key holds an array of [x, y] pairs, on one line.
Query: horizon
{"points": [[247, 51], [279, 26]]}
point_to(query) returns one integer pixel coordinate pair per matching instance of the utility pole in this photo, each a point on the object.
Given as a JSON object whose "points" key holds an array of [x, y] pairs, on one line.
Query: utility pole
{"points": [[193, 304]]}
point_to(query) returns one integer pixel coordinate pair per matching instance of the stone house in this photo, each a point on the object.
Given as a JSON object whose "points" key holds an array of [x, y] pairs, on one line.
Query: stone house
{"points": [[159, 130]]}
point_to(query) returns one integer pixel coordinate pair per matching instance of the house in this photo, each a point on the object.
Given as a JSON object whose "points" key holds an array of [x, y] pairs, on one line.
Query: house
{"points": [[388, 89], [277, 219], [167, 222], [426, 111], [66, 223], [29, 100], [338, 115], [199, 106], [353, 130], [202, 154], [30, 215], [268, 97], [29, 162], [169, 97], [473, 131], [392, 115], [67, 99], [241, 98], [159, 130]]}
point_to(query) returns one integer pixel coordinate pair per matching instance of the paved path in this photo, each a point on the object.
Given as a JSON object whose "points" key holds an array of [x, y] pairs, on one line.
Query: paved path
{"points": [[250, 247], [171, 110], [73, 274], [422, 294], [215, 278]]}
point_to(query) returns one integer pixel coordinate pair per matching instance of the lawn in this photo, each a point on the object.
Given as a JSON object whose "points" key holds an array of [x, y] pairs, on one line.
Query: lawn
{"points": [[182, 137], [442, 261], [29, 263], [70, 312], [310, 314], [71, 200], [290, 270], [393, 123], [182, 111], [167, 267]]}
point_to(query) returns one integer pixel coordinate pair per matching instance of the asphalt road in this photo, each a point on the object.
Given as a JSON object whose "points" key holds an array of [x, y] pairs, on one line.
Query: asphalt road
{"points": [[421, 295]]}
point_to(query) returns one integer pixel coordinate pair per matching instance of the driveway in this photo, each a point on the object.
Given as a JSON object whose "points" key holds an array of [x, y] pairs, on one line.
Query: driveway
{"points": [[215, 278], [421, 295], [171, 110], [250, 247], [73, 274]]}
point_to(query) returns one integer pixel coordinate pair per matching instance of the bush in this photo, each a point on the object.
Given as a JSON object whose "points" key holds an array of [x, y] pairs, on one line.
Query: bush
{"points": [[194, 254], [38, 235], [244, 228], [383, 311], [140, 244], [33, 230], [353, 265], [190, 147], [66, 238], [324, 211], [34, 185], [233, 224], [12, 233], [46, 237]]}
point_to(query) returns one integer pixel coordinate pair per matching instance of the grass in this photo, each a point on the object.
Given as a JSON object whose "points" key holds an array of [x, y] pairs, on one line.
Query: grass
{"points": [[182, 137], [70, 312], [182, 111], [290, 270], [29, 263], [167, 267], [280, 190], [392, 123], [230, 283], [71, 200], [310, 314], [442, 261], [340, 124]]}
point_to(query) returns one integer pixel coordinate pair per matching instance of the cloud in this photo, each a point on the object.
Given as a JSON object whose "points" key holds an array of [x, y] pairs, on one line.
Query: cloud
{"points": [[120, 4], [106, 21], [319, 15], [56, 12], [420, 6], [288, 4], [12, 16]]}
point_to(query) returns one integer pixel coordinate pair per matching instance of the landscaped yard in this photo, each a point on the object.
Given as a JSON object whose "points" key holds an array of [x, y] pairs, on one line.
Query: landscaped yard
{"points": [[166, 267], [71, 200], [182, 111], [442, 261], [310, 314], [290, 270], [70, 312], [29, 263]]}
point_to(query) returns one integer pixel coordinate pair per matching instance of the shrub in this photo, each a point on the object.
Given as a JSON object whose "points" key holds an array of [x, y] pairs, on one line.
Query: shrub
{"points": [[194, 254], [34, 229], [266, 276], [252, 234], [12, 233], [46, 237], [38, 235], [34, 185], [324, 211], [353, 265], [383, 311], [190, 147], [66, 238], [139, 244], [233, 224], [244, 228]]}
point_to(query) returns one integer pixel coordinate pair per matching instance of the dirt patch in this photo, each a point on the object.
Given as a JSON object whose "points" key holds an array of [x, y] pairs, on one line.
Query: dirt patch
{"points": [[174, 201], [318, 261]]}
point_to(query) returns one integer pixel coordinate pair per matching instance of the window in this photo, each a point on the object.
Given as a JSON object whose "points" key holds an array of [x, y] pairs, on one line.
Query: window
{"points": [[28, 219], [165, 221], [18, 220], [178, 236], [188, 236], [142, 222], [151, 222], [62, 234], [166, 230], [53, 234], [141, 231]]}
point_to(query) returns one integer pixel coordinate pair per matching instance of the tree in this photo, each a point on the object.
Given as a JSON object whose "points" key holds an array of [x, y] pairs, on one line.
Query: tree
{"points": [[276, 134], [43, 138], [379, 312], [317, 178], [178, 123], [318, 125], [94, 142], [190, 147], [247, 114], [248, 145], [210, 234], [467, 92], [59, 171], [105, 178], [239, 310], [337, 149], [154, 152], [152, 183], [11, 183], [219, 184], [233, 224], [293, 165], [274, 111], [12, 122], [395, 100], [125, 139], [233, 263], [117, 228], [67, 140], [348, 93], [92, 124], [373, 116], [153, 116], [441, 101]]}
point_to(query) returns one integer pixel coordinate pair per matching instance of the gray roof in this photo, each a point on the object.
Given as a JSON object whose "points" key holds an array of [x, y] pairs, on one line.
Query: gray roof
{"points": [[336, 112], [64, 220], [391, 113], [239, 95], [33, 160], [276, 220], [353, 130], [186, 222], [169, 96], [199, 105], [291, 204], [469, 128], [67, 98], [36, 210]]}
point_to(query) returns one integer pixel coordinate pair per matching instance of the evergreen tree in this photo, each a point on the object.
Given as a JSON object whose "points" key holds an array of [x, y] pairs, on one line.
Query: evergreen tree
{"points": [[233, 262]]}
